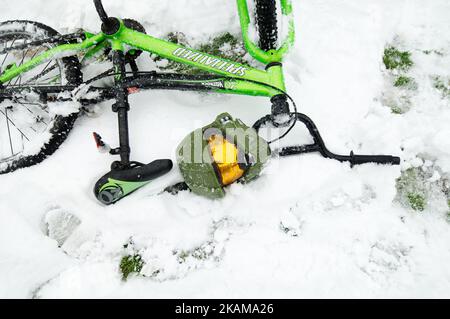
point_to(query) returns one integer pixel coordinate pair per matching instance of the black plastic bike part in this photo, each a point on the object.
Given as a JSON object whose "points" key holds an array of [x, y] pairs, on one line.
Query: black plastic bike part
{"points": [[380, 159], [319, 145], [62, 125], [272, 64], [133, 66], [101, 10], [135, 173], [121, 107], [280, 105], [110, 25], [141, 172], [266, 19]]}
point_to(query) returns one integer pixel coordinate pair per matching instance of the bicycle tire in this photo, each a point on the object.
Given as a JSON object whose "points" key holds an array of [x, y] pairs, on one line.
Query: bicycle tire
{"points": [[61, 125], [266, 20]]}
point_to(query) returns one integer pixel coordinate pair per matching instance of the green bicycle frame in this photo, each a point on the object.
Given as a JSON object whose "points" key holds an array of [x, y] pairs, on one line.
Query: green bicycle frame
{"points": [[238, 78]]}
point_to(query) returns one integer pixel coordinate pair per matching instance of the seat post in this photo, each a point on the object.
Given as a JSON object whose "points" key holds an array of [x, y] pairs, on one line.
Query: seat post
{"points": [[101, 11], [121, 107]]}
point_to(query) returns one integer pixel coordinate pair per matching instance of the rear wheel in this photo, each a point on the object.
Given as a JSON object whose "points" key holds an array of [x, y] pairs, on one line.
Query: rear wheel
{"points": [[29, 131], [266, 20]]}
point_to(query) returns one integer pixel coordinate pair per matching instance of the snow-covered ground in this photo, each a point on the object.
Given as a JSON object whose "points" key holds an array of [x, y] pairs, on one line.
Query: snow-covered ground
{"points": [[309, 227]]}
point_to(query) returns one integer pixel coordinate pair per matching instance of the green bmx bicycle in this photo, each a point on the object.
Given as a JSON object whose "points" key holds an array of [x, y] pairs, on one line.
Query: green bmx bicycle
{"points": [[38, 66]]}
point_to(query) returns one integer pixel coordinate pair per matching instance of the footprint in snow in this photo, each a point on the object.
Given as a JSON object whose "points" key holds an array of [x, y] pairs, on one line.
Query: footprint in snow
{"points": [[60, 225]]}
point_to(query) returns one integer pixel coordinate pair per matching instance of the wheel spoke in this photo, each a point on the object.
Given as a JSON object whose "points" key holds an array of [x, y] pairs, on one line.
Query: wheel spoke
{"points": [[21, 137], [7, 53], [42, 73], [36, 117], [30, 103], [9, 131], [23, 58], [49, 62], [21, 62], [32, 57], [9, 121]]}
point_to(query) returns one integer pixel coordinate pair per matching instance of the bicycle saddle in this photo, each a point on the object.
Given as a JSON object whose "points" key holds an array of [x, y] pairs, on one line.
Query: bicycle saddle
{"points": [[120, 182]]}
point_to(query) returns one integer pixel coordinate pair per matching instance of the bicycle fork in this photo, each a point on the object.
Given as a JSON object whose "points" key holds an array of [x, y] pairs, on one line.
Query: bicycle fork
{"points": [[125, 176]]}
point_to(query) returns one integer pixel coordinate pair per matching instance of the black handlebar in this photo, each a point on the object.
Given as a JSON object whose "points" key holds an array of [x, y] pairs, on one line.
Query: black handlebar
{"points": [[101, 11], [380, 159], [319, 145]]}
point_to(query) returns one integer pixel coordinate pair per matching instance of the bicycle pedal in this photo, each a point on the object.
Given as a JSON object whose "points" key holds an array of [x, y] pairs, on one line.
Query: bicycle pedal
{"points": [[102, 147]]}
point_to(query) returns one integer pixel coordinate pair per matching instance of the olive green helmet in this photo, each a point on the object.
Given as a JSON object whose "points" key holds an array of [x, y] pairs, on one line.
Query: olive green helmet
{"points": [[220, 153]]}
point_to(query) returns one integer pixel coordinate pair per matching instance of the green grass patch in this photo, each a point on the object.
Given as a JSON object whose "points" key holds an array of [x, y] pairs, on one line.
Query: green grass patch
{"points": [[226, 46], [397, 110], [177, 38], [411, 189], [202, 253], [416, 201], [442, 85], [398, 64], [404, 81], [417, 192], [401, 103], [395, 59], [131, 264]]}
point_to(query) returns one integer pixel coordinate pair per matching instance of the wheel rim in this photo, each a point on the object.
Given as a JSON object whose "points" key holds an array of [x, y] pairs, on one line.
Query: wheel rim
{"points": [[24, 120]]}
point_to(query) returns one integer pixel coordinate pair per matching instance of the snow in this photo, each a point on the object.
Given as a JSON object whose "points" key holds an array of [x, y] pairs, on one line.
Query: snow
{"points": [[309, 227]]}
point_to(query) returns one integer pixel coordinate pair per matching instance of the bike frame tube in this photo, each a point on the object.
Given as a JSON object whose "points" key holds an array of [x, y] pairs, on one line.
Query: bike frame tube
{"points": [[63, 50], [165, 49], [272, 55], [210, 63], [238, 78]]}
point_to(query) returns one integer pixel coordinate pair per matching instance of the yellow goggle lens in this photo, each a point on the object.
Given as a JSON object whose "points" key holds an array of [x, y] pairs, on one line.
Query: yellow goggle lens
{"points": [[225, 155]]}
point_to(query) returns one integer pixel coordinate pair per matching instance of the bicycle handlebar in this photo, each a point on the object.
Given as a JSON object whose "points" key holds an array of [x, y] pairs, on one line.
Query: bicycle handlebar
{"points": [[319, 145], [353, 159], [379, 159]]}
